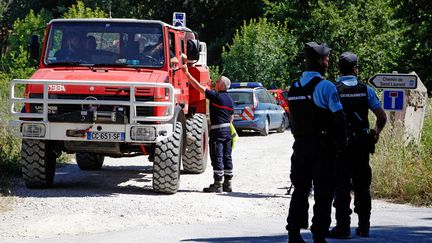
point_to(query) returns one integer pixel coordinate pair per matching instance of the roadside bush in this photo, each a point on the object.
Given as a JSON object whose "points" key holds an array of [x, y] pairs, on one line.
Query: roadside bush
{"points": [[261, 52], [403, 173], [9, 151]]}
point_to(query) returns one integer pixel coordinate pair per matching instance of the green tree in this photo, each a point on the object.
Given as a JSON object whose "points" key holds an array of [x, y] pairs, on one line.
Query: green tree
{"points": [[81, 11], [261, 51], [417, 49], [15, 62], [4, 5], [215, 21], [367, 28]]}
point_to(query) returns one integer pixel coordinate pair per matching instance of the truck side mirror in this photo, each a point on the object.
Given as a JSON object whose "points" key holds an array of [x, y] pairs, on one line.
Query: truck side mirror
{"points": [[33, 47], [193, 50]]}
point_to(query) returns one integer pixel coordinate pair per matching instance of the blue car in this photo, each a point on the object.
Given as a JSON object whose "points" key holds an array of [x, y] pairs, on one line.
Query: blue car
{"points": [[256, 109]]}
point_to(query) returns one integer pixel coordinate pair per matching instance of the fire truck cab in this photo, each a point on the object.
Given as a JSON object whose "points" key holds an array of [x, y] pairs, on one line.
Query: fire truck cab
{"points": [[113, 87]]}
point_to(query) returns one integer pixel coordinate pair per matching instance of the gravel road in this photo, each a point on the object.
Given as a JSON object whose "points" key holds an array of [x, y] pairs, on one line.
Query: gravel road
{"points": [[119, 197]]}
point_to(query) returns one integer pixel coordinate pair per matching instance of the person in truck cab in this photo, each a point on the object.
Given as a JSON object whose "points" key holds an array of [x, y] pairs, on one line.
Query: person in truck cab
{"points": [[71, 48], [90, 47], [155, 53], [221, 115]]}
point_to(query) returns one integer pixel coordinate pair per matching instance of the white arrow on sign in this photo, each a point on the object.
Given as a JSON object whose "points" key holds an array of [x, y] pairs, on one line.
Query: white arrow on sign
{"points": [[394, 81]]}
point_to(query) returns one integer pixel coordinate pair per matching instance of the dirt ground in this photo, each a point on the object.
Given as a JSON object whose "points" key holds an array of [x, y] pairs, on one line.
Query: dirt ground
{"points": [[120, 197]]}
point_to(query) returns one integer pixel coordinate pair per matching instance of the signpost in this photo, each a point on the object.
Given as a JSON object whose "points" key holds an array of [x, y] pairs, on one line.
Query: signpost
{"points": [[394, 85], [394, 81], [405, 106], [393, 100]]}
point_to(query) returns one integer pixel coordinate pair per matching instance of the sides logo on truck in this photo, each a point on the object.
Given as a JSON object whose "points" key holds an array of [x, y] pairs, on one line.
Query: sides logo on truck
{"points": [[56, 88]]}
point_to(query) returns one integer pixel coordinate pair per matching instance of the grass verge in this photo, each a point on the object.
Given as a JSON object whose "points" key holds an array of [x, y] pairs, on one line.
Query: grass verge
{"points": [[403, 172]]}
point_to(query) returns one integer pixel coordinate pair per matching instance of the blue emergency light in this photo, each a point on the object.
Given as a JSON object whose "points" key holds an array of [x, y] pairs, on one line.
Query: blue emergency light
{"points": [[179, 19], [246, 85]]}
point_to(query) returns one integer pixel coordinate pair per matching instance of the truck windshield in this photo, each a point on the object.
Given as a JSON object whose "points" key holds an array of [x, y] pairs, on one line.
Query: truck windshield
{"points": [[105, 43]]}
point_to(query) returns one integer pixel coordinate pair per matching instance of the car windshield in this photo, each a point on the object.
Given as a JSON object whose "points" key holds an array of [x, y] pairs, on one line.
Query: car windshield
{"points": [[105, 44], [241, 98]]}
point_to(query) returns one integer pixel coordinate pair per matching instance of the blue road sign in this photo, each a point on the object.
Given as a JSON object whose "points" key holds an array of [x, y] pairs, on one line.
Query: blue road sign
{"points": [[393, 100]]}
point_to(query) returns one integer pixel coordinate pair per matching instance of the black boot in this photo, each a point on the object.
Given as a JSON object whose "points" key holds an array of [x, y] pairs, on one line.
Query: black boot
{"points": [[215, 187], [363, 225], [227, 187], [362, 231], [340, 232], [294, 236]]}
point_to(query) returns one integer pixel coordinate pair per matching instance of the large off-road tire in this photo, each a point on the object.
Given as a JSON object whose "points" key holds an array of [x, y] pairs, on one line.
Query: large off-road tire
{"points": [[38, 163], [89, 161], [195, 156], [167, 160]]}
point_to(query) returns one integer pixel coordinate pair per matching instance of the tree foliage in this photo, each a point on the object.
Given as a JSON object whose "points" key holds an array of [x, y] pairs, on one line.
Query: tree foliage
{"points": [[386, 34], [416, 15], [215, 21], [366, 28], [79, 10], [4, 5], [261, 51], [15, 62]]}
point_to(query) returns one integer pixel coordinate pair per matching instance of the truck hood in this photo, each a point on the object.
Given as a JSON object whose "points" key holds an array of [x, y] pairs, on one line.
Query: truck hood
{"points": [[101, 74]]}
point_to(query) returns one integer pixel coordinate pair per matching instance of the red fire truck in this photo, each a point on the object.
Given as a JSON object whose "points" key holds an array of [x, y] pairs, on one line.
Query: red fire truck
{"points": [[113, 87]]}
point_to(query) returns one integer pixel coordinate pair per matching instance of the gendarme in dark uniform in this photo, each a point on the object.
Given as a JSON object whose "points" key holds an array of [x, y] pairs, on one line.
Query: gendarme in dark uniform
{"points": [[314, 107], [354, 171]]}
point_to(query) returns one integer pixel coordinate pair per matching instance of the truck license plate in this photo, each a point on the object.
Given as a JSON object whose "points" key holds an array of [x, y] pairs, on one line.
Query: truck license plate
{"points": [[106, 136]]}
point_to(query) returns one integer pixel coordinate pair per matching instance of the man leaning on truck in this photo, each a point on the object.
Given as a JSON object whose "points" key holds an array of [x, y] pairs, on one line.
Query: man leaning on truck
{"points": [[221, 115]]}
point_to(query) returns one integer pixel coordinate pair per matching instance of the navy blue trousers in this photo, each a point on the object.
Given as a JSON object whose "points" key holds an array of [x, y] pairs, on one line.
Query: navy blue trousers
{"points": [[354, 173], [220, 153], [312, 161]]}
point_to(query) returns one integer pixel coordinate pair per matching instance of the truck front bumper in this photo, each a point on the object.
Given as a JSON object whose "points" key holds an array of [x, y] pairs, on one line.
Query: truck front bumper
{"points": [[127, 133]]}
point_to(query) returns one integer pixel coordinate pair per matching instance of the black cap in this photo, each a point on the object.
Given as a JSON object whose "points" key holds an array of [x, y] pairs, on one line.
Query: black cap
{"points": [[347, 61], [314, 50]]}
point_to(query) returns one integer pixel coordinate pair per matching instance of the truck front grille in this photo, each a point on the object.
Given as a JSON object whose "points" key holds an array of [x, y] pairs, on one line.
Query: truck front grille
{"points": [[61, 110]]}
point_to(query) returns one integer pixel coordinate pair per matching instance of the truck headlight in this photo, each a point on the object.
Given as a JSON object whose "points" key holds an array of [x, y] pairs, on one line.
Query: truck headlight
{"points": [[139, 133], [33, 130]]}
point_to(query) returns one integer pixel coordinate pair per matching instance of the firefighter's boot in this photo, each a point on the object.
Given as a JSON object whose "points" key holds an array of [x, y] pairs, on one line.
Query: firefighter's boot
{"points": [[227, 186], [216, 187]]}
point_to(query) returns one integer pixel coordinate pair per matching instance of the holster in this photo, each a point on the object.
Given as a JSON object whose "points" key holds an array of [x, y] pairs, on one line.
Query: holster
{"points": [[371, 141]]}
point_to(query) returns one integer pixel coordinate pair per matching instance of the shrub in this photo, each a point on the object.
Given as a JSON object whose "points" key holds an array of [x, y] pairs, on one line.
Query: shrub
{"points": [[261, 52], [403, 173], [9, 152]]}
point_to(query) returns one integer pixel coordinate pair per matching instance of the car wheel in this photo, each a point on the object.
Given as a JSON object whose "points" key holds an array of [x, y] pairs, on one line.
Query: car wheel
{"points": [[266, 128], [282, 126]]}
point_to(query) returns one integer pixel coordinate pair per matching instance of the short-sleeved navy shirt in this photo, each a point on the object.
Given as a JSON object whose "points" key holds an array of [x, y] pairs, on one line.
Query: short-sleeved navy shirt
{"points": [[221, 106]]}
